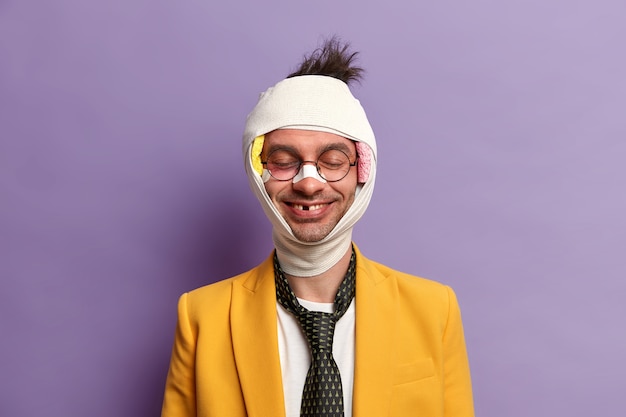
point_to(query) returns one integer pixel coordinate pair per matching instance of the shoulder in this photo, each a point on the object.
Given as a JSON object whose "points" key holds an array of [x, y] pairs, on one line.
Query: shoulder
{"points": [[411, 288], [216, 297], [377, 271], [410, 300], [409, 279]]}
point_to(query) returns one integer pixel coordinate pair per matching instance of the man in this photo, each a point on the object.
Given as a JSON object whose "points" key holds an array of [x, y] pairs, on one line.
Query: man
{"points": [[317, 329]]}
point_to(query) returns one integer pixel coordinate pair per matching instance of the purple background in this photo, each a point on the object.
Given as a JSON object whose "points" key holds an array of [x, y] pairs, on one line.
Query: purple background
{"points": [[502, 138]]}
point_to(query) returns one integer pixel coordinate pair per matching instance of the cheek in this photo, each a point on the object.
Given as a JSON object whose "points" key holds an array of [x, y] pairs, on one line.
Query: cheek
{"points": [[272, 188], [349, 188], [268, 188], [348, 193]]}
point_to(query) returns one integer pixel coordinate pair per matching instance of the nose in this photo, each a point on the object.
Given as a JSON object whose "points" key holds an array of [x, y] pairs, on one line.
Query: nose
{"points": [[308, 180], [308, 171]]}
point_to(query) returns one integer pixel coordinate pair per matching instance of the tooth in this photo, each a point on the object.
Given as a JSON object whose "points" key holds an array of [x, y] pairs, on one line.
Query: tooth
{"points": [[307, 208]]}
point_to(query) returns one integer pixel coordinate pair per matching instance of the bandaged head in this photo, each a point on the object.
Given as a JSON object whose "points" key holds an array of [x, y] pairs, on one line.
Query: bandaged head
{"points": [[318, 103]]}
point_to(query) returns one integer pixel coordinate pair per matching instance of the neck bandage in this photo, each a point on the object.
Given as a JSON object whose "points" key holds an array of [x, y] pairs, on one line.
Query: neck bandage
{"points": [[319, 103]]}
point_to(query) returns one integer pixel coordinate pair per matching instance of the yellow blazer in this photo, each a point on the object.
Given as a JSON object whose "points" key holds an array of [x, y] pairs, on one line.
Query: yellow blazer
{"points": [[410, 356]]}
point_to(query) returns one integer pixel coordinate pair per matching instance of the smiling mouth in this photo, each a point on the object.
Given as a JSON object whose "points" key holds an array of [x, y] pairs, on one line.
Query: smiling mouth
{"points": [[308, 208]]}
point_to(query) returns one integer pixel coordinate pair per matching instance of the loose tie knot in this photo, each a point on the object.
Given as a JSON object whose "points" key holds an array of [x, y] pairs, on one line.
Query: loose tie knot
{"points": [[319, 329]]}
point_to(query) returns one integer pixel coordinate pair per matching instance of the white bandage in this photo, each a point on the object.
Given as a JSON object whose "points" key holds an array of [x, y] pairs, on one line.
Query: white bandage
{"points": [[309, 102], [319, 103], [308, 171]]}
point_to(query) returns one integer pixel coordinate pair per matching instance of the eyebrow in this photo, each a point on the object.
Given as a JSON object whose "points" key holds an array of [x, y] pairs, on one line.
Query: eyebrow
{"points": [[339, 147]]}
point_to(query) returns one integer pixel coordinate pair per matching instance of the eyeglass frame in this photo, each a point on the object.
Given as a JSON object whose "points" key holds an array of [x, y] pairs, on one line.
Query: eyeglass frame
{"points": [[317, 167]]}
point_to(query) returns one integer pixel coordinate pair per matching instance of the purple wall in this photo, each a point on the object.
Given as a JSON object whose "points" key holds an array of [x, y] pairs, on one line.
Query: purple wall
{"points": [[502, 140]]}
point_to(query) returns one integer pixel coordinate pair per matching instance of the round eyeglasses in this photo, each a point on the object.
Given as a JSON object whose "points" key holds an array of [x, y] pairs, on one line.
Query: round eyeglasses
{"points": [[332, 165]]}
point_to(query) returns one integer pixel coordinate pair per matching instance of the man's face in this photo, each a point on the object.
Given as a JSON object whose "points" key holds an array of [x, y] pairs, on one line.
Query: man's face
{"points": [[310, 207]]}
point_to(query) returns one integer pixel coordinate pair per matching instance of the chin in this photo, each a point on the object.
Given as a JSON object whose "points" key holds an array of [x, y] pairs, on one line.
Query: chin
{"points": [[311, 236], [307, 238]]}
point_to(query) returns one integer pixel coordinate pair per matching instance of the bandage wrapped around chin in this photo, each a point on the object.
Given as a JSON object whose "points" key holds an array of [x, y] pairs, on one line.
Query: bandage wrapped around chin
{"points": [[319, 103]]}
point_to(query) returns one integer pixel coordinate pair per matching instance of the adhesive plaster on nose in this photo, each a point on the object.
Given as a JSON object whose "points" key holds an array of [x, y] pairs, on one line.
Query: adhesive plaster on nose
{"points": [[308, 171]]}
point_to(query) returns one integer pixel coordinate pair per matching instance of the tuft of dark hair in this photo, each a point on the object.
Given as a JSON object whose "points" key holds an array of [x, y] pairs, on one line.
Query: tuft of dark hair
{"points": [[333, 59]]}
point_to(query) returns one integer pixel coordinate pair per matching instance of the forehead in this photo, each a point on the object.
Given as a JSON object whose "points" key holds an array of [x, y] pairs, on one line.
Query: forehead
{"points": [[306, 140]]}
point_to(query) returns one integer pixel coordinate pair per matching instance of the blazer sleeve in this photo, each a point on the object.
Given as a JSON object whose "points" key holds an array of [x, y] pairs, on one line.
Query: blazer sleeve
{"points": [[458, 400], [179, 399]]}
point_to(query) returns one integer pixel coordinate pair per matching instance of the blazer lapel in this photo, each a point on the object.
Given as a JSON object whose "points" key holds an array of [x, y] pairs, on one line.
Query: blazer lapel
{"points": [[255, 342], [376, 316]]}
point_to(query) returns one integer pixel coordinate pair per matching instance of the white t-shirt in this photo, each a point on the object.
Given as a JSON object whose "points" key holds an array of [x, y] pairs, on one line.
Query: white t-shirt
{"points": [[295, 357]]}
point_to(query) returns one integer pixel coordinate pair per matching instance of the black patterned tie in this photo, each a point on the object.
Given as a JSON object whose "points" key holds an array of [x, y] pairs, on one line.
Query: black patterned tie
{"points": [[322, 395]]}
